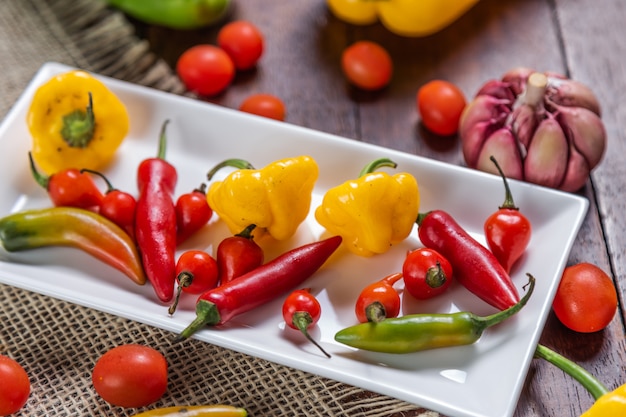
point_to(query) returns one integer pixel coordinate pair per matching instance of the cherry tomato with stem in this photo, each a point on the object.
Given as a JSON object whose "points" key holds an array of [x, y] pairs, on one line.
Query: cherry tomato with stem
{"points": [[69, 188], [367, 65], [301, 311], [130, 376], [586, 299], [427, 273], [192, 213], [440, 105], [378, 300], [507, 231], [117, 206], [243, 42], [14, 386], [205, 69], [265, 105], [237, 255], [196, 272]]}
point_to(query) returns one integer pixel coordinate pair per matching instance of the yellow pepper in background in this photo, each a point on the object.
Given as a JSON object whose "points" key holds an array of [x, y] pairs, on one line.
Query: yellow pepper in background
{"points": [[75, 122], [372, 212], [412, 18], [195, 411], [611, 404], [276, 198]]}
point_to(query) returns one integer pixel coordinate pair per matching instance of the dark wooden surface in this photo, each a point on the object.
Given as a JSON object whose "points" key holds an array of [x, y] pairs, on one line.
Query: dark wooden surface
{"points": [[581, 38]]}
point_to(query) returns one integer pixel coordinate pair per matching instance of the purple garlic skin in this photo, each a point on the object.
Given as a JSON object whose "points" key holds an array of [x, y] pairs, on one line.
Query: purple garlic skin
{"points": [[542, 128]]}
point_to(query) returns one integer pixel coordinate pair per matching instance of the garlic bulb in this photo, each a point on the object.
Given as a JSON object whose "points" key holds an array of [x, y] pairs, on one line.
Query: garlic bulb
{"points": [[541, 127]]}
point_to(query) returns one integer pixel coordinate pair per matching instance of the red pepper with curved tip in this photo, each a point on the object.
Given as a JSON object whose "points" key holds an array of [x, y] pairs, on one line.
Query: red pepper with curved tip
{"points": [[301, 311], [379, 300], [475, 267], [117, 206], [261, 285], [196, 272], [237, 255], [507, 231], [155, 221], [69, 188], [192, 213]]}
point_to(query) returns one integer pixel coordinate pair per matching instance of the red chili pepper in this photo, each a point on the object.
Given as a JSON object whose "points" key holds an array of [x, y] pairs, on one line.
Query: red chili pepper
{"points": [[69, 188], [259, 286], [379, 300], [196, 272], [301, 311], [426, 273], [237, 255], [155, 221], [117, 206], [192, 213], [475, 267], [507, 231]]}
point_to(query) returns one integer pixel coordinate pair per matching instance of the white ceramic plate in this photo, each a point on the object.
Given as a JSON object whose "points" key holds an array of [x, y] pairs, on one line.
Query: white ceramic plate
{"points": [[484, 379]]}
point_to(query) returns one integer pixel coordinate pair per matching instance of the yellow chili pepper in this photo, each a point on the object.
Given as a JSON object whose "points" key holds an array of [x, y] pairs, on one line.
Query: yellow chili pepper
{"points": [[75, 122], [611, 404], [276, 198], [411, 18], [217, 410], [372, 212]]}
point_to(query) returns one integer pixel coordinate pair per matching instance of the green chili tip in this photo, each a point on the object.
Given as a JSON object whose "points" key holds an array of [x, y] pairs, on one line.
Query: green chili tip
{"points": [[508, 196], [378, 163], [40, 178], [302, 320], [233, 162], [163, 140], [207, 314]]}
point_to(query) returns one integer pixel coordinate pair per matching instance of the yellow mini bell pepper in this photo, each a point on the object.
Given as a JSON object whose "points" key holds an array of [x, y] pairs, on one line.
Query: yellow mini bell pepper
{"points": [[75, 122], [412, 18], [276, 198], [196, 411], [372, 212], [611, 404]]}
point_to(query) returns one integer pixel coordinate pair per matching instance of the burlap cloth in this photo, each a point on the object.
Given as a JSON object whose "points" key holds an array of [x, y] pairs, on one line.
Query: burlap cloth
{"points": [[58, 342]]}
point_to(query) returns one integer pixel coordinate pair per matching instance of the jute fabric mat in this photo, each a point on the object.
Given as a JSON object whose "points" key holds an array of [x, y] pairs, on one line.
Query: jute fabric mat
{"points": [[58, 342]]}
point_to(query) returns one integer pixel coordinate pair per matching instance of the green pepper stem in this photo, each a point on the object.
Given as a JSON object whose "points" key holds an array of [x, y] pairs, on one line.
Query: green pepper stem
{"points": [[302, 320], [500, 316], [247, 232], [41, 179], [508, 196], [374, 165], [588, 381], [435, 276], [375, 312], [184, 280], [79, 126], [234, 162], [207, 314], [163, 140]]}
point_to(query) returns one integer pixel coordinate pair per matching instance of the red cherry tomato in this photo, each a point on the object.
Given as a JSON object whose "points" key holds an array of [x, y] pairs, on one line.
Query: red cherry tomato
{"points": [[130, 376], [14, 386], [378, 300], [205, 69], [265, 105], [440, 104], [301, 311], [196, 272], [507, 231], [426, 273], [192, 213], [237, 255], [367, 65], [586, 300], [243, 42]]}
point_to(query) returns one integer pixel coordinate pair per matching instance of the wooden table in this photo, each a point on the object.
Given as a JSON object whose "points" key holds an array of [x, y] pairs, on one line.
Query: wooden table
{"points": [[580, 38]]}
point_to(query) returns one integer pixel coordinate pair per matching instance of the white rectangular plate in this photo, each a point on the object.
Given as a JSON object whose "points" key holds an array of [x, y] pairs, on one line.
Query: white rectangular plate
{"points": [[484, 379]]}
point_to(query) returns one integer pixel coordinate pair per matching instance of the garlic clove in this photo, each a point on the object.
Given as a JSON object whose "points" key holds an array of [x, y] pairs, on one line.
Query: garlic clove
{"points": [[546, 160], [571, 93], [503, 146], [474, 139], [577, 173], [516, 78], [482, 109], [498, 89], [523, 123], [585, 131]]}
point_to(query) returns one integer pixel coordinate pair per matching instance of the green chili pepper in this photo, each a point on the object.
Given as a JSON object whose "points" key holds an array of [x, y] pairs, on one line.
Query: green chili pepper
{"points": [[73, 227], [416, 332], [175, 14]]}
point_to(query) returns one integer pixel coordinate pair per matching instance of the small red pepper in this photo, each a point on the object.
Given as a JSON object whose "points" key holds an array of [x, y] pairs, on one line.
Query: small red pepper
{"points": [[426, 273], [196, 272], [259, 286], [155, 222], [117, 206], [301, 311], [237, 255], [379, 300], [192, 213], [475, 267], [69, 188], [507, 231]]}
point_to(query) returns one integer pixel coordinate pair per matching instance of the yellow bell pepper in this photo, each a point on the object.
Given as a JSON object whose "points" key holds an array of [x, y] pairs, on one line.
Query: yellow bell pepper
{"points": [[611, 404], [75, 122], [372, 212], [412, 18], [276, 198], [216, 410]]}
